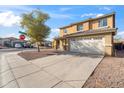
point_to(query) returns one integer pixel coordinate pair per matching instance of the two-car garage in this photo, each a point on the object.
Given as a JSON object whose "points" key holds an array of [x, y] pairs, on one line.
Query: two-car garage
{"points": [[91, 45]]}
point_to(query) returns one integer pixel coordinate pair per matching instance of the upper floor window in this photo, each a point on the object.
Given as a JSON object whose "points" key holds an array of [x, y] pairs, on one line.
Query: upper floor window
{"points": [[79, 27], [103, 22], [65, 30]]}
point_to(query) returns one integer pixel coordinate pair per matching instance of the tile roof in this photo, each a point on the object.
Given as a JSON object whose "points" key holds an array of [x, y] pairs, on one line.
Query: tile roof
{"points": [[90, 32], [96, 31]]}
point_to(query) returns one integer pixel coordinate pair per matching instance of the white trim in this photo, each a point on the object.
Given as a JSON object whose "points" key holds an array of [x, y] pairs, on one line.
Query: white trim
{"points": [[108, 45], [80, 30], [103, 27]]}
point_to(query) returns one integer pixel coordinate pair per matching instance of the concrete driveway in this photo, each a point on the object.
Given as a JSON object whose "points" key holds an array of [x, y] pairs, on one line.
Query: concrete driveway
{"points": [[68, 70]]}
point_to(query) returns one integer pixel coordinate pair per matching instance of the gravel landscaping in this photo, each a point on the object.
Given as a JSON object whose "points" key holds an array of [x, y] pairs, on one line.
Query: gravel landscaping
{"points": [[109, 73], [29, 55]]}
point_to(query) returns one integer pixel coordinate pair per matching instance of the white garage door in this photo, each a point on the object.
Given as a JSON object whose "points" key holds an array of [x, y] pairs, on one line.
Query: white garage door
{"points": [[88, 45]]}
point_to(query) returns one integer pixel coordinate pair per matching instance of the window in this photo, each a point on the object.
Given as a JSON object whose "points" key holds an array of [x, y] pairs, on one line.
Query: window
{"points": [[65, 30], [103, 22], [79, 27]]}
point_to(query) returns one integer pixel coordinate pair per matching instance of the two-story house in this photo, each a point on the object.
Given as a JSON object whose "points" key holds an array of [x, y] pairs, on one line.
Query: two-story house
{"points": [[91, 36]]}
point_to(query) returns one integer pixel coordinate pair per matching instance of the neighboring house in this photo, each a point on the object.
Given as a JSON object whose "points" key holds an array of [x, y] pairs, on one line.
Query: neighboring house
{"points": [[10, 41], [92, 36], [44, 44], [119, 44], [0, 41], [47, 43]]}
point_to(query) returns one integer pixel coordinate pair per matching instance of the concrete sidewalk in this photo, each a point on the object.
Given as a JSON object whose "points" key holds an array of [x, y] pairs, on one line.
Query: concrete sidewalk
{"points": [[59, 71]]}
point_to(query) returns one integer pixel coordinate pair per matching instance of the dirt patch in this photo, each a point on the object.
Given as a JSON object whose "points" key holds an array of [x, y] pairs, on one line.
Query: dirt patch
{"points": [[109, 73], [29, 55]]}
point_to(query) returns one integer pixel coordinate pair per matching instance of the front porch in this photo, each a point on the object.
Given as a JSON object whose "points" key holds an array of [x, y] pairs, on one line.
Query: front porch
{"points": [[61, 44]]}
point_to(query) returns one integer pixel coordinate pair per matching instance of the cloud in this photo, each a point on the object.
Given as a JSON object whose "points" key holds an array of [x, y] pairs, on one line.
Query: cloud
{"points": [[65, 9], [54, 33], [16, 8], [120, 34], [55, 30], [105, 8], [11, 35], [91, 15], [98, 15], [87, 15], [9, 19], [62, 16]]}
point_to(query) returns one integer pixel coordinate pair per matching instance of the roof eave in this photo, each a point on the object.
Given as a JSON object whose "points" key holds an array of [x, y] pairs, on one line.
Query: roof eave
{"points": [[113, 31]]}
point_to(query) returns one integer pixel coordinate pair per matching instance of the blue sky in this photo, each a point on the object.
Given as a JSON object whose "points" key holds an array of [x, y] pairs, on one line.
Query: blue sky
{"points": [[60, 15]]}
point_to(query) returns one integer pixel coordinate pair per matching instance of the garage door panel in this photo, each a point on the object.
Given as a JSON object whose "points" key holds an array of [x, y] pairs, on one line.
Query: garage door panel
{"points": [[84, 48], [92, 46]]}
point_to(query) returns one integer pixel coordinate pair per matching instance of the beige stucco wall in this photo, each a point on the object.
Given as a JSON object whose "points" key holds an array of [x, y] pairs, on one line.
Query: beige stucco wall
{"points": [[110, 21], [94, 24], [54, 43], [109, 44], [71, 29], [85, 26], [61, 44]]}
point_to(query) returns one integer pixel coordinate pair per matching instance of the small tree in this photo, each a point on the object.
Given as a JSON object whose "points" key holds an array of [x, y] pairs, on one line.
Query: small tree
{"points": [[34, 24]]}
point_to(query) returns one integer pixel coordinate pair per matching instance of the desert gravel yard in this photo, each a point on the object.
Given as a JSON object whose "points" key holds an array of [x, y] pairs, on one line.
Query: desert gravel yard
{"points": [[29, 55], [109, 73]]}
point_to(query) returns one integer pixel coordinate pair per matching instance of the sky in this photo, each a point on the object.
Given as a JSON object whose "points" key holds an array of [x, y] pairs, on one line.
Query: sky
{"points": [[60, 15]]}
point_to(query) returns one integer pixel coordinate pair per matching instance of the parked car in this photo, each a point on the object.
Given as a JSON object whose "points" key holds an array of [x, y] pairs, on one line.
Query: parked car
{"points": [[1, 47], [17, 45], [28, 46]]}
